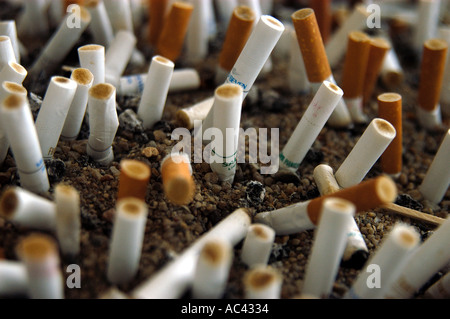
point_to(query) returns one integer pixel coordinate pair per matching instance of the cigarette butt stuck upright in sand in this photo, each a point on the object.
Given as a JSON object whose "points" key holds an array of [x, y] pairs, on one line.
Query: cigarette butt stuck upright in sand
{"points": [[322, 9], [134, 178], [178, 182], [379, 47], [262, 282], [157, 15]]}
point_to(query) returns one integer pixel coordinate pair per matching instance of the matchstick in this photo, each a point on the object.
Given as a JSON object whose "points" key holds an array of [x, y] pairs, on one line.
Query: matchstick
{"points": [[322, 10], [40, 255], [100, 26], [427, 23], [262, 282], [316, 61], [310, 125], [303, 216], [27, 209], [440, 289], [68, 220], [13, 278], [430, 257], [257, 245], [103, 123], [197, 35], [173, 33], [390, 257], [212, 269], [8, 28], [178, 183], [17, 121], [354, 73], [176, 276], [133, 180], [328, 247], [118, 56], [197, 112], [297, 75], [156, 88], [13, 72], [126, 240], [412, 213], [392, 74], [369, 147], [53, 112], [6, 51], [431, 75], [92, 57], [390, 109], [157, 14], [437, 179], [74, 119]]}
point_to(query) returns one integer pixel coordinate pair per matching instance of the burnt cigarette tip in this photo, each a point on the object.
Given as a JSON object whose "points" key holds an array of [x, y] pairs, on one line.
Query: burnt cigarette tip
{"points": [[37, 247], [82, 76], [13, 101], [102, 91]]}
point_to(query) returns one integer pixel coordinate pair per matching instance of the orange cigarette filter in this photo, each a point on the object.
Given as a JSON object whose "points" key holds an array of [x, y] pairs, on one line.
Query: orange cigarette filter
{"points": [[239, 30], [322, 10], [366, 195], [390, 109], [432, 73], [37, 247], [355, 64], [378, 50], [157, 14], [311, 45], [134, 179], [178, 182], [171, 40]]}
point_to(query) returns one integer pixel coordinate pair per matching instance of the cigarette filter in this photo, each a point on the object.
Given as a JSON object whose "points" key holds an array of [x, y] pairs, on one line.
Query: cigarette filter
{"points": [[310, 125], [329, 242], [27, 209], [257, 245], [322, 10], [256, 52], [298, 78], [134, 178], [370, 146], [103, 122], [226, 118], [197, 35], [444, 33], [336, 45], [431, 76], [156, 88], [40, 255], [239, 29], [53, 112], [178, 183], [60, 44], [390, 109], [157, 14], [173, 33], [100, 26], [175, 277], [212, 269], [119, 13], [74, 119], [392, 74], [437, 178], [379, 47], [118, 55], [427, 22], [126, 241], [440, 289], [262, 282], [8, 28], [92, 58], [18, 123], [13, 279], [390, 257], [430, 257], [13, 72], [6, 51]]}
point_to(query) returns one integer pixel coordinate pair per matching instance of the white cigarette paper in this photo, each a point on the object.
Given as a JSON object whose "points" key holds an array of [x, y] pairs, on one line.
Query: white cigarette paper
{"points": [[17, 122], [8, 28], [173, 280], [262, 282], [375, 139], [427, 259], [100, 26], [6, 51], [256, 52], [197, 36], [197, 112], [226, 119], [212, 269], [118, 56], [53, 113], [298, 78], [391, 74], [225, 10], [156, 88], [68, 220], [257, 245], [13, 72], [390, 257], [32, 20], [119, 13], [440, 289], [92, 57], [310, 125], [328, 247], [13, 279], [126, 241], [427, 22], [103, 122], [437, 179], [27, 209]]}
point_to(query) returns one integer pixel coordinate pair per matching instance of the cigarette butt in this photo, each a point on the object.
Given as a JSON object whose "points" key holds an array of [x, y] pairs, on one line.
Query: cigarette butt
{"points": [[311, 45], [11, 88], [13, 72], [157, 14], [92, 57], [197, 112], [13, 278], [238, 32], [6, 51], [257, 245], [119, 12], [8, 28], [178, 182], [427, 22], [262, 282], [366, 195], [390, 109], [134, 178], [170, 42], [100, 26], [118, 56], [322, 10], [379, 47], [392, 74], [297, 76]]}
